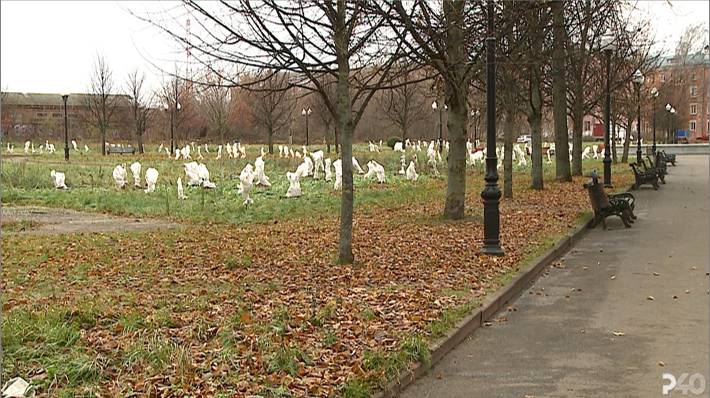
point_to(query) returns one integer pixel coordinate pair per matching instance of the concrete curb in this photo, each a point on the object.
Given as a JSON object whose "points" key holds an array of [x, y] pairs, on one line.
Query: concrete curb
{"points": [[486, 311]]}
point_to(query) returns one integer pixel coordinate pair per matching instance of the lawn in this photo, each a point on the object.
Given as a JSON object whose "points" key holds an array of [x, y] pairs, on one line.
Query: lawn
{"points": [[249, 301]]}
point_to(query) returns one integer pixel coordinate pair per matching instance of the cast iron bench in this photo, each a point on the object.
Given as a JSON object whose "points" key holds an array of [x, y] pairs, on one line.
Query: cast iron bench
{"points": [[621, 205], [649, 166], [121, 150], [668, 158], [644, 176]]}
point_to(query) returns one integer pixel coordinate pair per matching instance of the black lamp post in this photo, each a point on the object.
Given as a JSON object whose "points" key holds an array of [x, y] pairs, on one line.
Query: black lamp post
{"points": [[654, 95], [306, 113], [638, 80], [65, 97], [441, 110], [491, 192], [607, 47], [671, 111]]}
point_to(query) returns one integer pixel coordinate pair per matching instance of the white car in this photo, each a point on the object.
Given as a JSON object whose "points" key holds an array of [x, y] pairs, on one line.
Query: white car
{"points": [[524, 139]]}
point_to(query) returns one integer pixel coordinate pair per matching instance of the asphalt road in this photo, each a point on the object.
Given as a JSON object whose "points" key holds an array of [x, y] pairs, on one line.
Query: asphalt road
{"points": [[648, 284]]}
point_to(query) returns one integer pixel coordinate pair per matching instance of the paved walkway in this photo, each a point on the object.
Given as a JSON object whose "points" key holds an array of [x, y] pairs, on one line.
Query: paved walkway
{"points": [[560, 341]]}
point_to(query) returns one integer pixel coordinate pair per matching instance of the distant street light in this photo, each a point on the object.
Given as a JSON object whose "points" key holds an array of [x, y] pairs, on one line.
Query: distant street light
{"points": [[638, 80], [306, 113], [608, 45], [654, 95], [441, 110], [65, 97], [671, 111]]}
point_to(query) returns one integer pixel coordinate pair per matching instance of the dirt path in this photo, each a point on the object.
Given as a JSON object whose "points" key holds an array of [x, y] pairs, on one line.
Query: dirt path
{"points": [[45, 220]]}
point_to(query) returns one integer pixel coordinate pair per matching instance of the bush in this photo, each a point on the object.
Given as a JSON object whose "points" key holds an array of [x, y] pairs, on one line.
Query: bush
{"points": [[393, 140]]}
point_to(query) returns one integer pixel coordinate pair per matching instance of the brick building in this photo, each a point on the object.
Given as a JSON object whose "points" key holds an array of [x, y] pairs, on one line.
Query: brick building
{"points": [[683, 83], [34, 116]]}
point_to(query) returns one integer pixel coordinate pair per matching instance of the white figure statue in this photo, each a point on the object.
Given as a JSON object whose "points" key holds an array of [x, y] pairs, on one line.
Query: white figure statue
{"points": [[356, 166], [136, 171], [261, 178], [204, 176], [328, 172], [398, 146], [27, 147], [412, 172], [180, 190], [246, 183], [294, 184], [403, 162], [120, 176], [317, 163], [151, 178], [86, 148], [73, 144], [595, 149], [192, 173], [338, 166], [58, 179], [375, 169], [586, 152], [219, 153]]}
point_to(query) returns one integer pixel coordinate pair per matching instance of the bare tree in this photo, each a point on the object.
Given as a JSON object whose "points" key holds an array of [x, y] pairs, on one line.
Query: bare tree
{"points": [[402, 105], [100, 101], [271, 105], [216, 102], [140, 106], [342, 39], [559, 91]]}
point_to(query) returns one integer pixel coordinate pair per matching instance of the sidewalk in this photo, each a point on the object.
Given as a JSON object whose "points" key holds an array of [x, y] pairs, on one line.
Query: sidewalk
{"points": [[560, 342]]}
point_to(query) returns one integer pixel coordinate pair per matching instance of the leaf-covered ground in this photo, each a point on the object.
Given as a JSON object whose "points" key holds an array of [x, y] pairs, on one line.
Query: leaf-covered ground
{"points": [[229, 310]]}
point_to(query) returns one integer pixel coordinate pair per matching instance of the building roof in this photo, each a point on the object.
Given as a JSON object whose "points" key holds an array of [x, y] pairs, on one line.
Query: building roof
{"points": [[44, 99], [691, 59]]}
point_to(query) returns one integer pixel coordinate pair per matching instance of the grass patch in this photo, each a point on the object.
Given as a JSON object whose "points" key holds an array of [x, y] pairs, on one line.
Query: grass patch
{"points": [[449, 317]]}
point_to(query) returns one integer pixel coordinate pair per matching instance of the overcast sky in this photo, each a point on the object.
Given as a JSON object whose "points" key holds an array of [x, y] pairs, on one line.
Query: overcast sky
{"points": [[50, 46]]}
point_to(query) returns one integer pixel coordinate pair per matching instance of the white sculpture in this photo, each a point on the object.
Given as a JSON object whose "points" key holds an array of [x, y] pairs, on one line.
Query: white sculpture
{"points": [[207, 150], [180, 190], [199, 154], [204, 176], [242, 151], [73, 144], [160, 148], [281, 151], [185, 152], [476, 157], [356, 166], [338, 166], [375, 169], [136, 171], [585, 153], [403, 162], [328, 172], [246, 183], [58, 179], [219, 152], [120, 176], [294, 184], [261, 178], [27, 147], [192, 173], [177, 154], [398, 146], [86, 148], [595, 149], [318, 164], [151, 178], [10, 148], [412, 172]]}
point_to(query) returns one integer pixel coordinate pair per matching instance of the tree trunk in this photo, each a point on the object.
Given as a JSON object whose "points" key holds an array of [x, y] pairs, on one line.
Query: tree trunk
{"points": [[456, 92], [344, 122], [535, 121], [559, 93], [271, 140], [508, 154], [578, 123], [103, 139], [139, 138], [337, 140]]}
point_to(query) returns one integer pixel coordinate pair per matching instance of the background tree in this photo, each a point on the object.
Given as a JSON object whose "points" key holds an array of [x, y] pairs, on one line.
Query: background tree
{"points": [[100, 101], [402, 104], [342, 39], [140, 106], [216, 103], [559, 91], [270, 103]]}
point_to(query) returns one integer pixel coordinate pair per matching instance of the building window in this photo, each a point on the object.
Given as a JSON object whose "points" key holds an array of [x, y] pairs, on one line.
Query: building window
{"points": [[56, 115], [693, 91], [693, 76], [663, 78], [693, 109], [587, 125], [692, 125]]}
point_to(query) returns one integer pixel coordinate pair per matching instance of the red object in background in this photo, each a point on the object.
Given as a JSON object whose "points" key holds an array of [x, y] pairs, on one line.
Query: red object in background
{"points": [[703, 137], [598, 130]]}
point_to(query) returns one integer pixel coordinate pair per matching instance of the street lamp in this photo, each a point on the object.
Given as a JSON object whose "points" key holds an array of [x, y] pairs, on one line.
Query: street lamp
{"points": [[671, 111], [491, 192], [654, 95], [306, 113], [608, 45], [65, 97], [436, 106], [638, 80], [672, 130]]}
